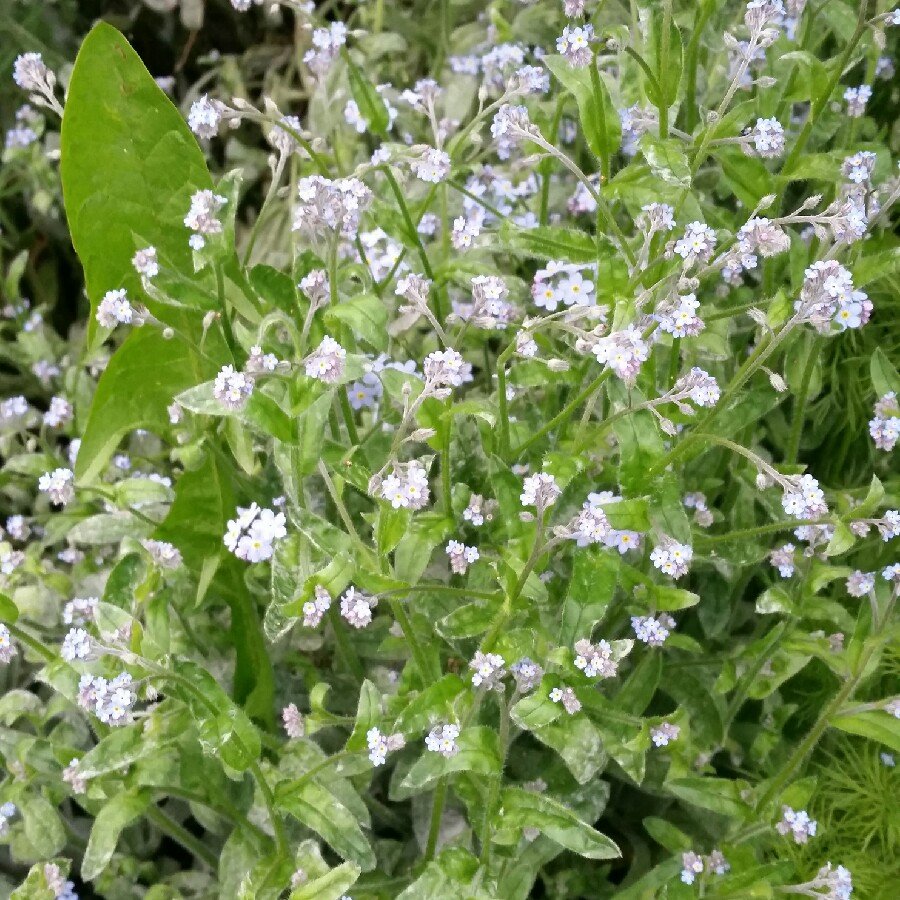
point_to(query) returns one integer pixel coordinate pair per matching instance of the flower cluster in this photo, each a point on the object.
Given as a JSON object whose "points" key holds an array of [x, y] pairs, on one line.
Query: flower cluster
{"points": [[662, 734], [598, 660], [461, 556], [110, 701], [652, 631], [252, 535], [380, 745], [487, 670], [884, 427], [325, 206], [566, 696], [356, 607], [314, 609], [672, 558], [326, 362], [442, 739], [407, 486], [796, 823]]}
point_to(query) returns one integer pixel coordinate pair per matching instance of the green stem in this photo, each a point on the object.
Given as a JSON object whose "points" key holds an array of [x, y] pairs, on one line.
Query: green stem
{"points": [[437, 814], [181, 835], [740, 692], [342, 511], [822, 99], [565, 413], [446, 480], [745, 533], [793, 446], [496, 781], [597, 90], [809, 742], [692, 113], [663, 69], [273, 187], [766, 347], [345, 648], [409, 634], [348, 416], [224, 317], [32, 642]]}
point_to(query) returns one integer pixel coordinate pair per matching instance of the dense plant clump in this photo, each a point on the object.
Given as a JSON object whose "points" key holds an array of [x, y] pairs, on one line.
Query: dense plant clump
{"points": [[472, 473]]}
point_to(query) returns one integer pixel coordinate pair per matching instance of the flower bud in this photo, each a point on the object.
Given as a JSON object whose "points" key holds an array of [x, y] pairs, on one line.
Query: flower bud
{"points": [[777, 382], [557, 365]]}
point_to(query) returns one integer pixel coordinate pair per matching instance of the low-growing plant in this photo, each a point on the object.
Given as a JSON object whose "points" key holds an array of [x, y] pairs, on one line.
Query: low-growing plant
{"points": [[474, 476]]}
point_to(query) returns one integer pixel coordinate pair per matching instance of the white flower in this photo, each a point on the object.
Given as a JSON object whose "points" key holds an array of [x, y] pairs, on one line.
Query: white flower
{"points": [[204, 117], [59, 485], [114, 308], [672, 558], [7, 647], [664, 733], [768, 138], [232, 389], [442, 739], [326, 362], [432, 166], [698, 242], [575, 44], [487, 670], [76, 645], [356, 607], [145, 262], [797, 823], [540, 491], [202, 217]]}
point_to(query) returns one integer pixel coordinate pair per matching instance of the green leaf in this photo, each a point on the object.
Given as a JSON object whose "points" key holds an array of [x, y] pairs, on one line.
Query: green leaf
{"points": [[885, 377], [318, 809], [129, 166], [591, 590], [667, 835], [548, 242], [142, 378], [537, 709], [719, 795], [467, 621], [578, 743], [873, 499], [434, 703], [9, 612], [365, 315], [842, 540], [368, 714], [328, 887], [668, 69], [371, 107], [115, 752], [600, 121], [669, 599], [113, 818], [640, 446], [479, 752], [628, 515], [876, 724], [311, 435], [43, 826], [107, 528], [123, 580], [525, 809], [667, 160]]}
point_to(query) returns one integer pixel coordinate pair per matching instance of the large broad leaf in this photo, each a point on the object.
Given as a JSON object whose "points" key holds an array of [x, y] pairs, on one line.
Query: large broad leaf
{"points": [[320, 810], [591, 590], [141, 380], [115, 816], [525, 809], [874, 724], [599, 119], [129, 166]]}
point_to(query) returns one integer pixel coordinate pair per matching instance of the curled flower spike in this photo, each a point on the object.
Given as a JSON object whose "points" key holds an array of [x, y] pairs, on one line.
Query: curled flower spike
{"points": [[356, 607]]}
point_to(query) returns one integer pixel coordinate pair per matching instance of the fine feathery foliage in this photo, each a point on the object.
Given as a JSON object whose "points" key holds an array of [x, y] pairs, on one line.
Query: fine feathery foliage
{"points": [[473, 473]]}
